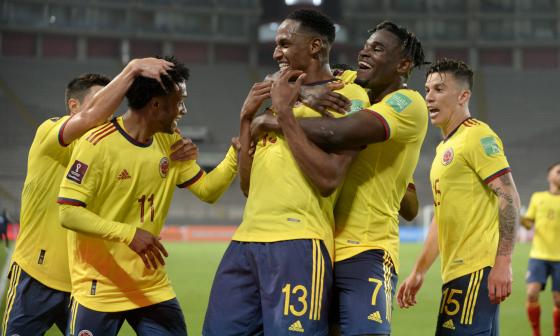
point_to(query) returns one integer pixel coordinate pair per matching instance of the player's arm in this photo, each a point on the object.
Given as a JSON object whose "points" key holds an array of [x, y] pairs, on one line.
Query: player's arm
{"points": [[107, 100], [208, 187], [325, 170], [257, 95], [406, 296], [500, 277], [409, 204], [80, 219], [527, 223]]}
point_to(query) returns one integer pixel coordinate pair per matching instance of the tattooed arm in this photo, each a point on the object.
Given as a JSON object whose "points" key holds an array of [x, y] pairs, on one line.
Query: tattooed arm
{"points": [[500, 278]]}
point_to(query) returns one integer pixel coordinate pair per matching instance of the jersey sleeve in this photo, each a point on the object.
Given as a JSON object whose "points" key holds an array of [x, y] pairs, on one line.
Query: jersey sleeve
{"points": [[51, 144], [83, 175], [400, 114], [485, 154], [532, 210], [358, 98]]}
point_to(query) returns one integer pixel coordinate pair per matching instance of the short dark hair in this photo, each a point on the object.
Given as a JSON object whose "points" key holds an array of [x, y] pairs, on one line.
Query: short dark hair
{"points": [[78, 87], [557, 163], [410, 44], [143, 89], [459, 69], [316, 22]]}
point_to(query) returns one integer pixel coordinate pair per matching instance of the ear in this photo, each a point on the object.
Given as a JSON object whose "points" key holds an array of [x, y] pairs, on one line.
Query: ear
{"points": [[404, 67], [73, 105], [316, 46], [464, 97]]}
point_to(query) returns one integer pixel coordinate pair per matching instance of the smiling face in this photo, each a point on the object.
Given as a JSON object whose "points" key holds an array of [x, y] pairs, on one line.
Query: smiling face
{"points": [[172, 108], [446, 98], [292, 49], [379, 60]]}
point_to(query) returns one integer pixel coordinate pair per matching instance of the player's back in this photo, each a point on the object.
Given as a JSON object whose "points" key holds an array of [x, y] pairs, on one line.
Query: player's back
{"points": [[41, 248]]}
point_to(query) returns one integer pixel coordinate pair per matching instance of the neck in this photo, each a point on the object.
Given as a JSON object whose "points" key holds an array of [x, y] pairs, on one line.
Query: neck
{"points": [[554, 189], [317, 73], [376, 94], [137, 126], [456, 119]]}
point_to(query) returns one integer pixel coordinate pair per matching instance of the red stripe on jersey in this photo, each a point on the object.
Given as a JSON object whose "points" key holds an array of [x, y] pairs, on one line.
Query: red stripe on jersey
{"points": [[192, 180], [70, 201], [385, 124], [60, 133], [497, 174], [91, 137], [96, 141]]}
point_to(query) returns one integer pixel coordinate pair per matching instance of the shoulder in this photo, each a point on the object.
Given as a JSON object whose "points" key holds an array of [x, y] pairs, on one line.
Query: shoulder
{"points": [[348, 76], [405, 100], [98, 135]]}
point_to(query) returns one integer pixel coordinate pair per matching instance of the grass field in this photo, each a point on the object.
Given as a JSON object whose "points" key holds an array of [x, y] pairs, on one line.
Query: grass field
{"points": [[191, 267]]}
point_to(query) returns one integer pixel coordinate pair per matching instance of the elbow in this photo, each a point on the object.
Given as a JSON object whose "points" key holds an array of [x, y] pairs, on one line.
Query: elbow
{"points": [[327, 186]]}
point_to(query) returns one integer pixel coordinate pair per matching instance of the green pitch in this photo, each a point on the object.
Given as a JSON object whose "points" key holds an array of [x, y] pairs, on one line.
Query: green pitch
{"points": [[191, 267]]}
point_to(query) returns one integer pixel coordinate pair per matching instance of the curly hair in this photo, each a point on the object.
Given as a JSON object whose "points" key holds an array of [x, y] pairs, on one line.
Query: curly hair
{"points": [[411, 46]]}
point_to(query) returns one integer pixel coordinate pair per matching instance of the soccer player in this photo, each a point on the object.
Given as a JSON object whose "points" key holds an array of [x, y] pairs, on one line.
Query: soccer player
{"points": [[115, 197], [275, 277], [39, 290], [476, 209], [544, 215]]}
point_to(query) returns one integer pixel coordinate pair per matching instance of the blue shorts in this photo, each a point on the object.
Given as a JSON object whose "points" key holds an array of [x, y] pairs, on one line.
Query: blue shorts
{"points": [[465, 308], [31, 307], [275, 288], [539, 270], [364, 286], [160, 319]]}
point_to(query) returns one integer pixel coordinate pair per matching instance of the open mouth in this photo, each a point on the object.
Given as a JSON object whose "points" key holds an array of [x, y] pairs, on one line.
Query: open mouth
{"points": [[283, 66], [364, 66], [433, 111]]}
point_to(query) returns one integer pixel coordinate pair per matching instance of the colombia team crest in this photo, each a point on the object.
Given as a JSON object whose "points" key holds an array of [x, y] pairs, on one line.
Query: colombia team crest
{"points": [[163, 167], [447, 156]]}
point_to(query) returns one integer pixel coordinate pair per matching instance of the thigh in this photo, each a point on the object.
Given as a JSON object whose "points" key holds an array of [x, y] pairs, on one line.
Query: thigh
{"points": [[234, 306], [555, 274], [465, 307], [31, 307], [86, 322], [295, 279], [537, 272], [161, 319], [364, 289]]}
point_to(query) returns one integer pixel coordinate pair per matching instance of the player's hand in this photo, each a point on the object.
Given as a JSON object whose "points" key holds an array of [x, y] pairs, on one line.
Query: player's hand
{"points": [[151, 67], [148, 247], [257, 95], [184, 150], [262, 124], [321, 98], [500, 280], [285, 94], [406, 296]]}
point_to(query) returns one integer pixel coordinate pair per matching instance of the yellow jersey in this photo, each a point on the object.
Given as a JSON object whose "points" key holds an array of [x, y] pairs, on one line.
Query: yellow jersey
{"points": [[282, 203], [544, 210], [366, 214], [122, 180], [41, 249], [466, 209]]}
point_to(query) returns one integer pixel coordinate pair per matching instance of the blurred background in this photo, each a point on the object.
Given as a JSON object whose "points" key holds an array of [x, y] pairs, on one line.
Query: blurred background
{"points": [[513, 45]]}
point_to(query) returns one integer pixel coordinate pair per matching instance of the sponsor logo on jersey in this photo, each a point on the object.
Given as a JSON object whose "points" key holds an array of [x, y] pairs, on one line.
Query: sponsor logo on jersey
{"points": [[375, 316], [77, 172], [448, 324], [124, 175], [447, 156], [399, 102], [296, 326], [490, 146], [164, 167]]}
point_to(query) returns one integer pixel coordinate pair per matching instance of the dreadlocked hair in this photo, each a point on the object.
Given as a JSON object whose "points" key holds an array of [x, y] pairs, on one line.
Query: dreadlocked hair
{"points": [[410, 44]]}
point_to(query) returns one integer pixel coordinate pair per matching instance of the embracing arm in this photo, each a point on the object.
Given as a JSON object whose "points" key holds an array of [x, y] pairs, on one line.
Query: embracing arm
{"points": [[409, 204], [500, 277], [353, 131], [107, 100]]}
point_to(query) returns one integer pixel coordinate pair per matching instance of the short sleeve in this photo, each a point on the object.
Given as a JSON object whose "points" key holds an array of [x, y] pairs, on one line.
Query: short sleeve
{"points": [[401, 114], [532, 210], [83, 175], [485, 154], [51, 140], [189, 173]]}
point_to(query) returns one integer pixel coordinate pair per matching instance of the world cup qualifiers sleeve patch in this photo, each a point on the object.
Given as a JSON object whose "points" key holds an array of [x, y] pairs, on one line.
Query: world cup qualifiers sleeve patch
{"points": [[490, 146], [357, 105], [399, 102], [77, 172]]}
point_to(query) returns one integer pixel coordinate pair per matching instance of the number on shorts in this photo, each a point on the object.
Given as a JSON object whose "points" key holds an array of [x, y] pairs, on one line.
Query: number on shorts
{"points": [[378, 284], [287, 290], [448, 301]]}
